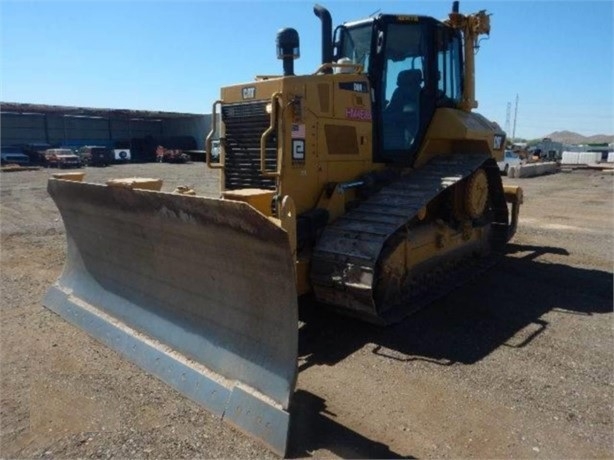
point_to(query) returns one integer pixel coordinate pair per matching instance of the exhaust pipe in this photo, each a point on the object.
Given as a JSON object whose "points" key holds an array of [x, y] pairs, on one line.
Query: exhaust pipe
{"points": [[327, 34]]}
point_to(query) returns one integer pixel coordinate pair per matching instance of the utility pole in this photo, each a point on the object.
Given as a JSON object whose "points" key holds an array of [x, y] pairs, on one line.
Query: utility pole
{"points": [[507, 117], [515, 116]]}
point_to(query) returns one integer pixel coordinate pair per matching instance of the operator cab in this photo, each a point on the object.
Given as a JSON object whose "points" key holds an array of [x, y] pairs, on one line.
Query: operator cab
{"points": [[414, 64]]}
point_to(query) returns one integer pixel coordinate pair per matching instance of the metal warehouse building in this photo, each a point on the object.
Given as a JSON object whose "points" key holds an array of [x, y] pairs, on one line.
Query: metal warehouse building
{"points": [[23, 124]]}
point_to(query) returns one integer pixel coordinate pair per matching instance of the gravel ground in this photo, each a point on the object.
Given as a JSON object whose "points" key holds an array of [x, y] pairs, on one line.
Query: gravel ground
{"points": [[517, 363]]}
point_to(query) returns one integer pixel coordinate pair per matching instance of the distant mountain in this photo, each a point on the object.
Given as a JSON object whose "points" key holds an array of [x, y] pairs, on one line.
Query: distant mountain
{"points": [[569, 137]]}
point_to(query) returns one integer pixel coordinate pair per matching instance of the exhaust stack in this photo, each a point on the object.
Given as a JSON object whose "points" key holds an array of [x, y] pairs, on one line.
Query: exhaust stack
{"points": [[327, 34]]}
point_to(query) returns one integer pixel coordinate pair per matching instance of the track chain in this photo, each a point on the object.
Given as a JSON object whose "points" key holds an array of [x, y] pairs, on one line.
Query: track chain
{"points": [[345, 258]]}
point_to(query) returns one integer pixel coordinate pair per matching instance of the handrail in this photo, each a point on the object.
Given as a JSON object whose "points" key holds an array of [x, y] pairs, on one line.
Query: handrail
{"points": [[209, 139], [265, 135]]}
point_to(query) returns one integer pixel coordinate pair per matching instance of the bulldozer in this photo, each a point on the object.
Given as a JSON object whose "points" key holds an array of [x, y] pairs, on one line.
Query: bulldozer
{"points": [[370, 186]]}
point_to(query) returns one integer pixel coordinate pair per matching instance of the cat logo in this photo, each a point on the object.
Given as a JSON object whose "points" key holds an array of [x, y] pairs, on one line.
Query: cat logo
{"points": [[249, 92]]}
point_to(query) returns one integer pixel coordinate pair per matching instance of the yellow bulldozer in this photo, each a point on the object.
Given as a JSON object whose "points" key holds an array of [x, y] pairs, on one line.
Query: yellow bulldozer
{"points": [[369, 185]]}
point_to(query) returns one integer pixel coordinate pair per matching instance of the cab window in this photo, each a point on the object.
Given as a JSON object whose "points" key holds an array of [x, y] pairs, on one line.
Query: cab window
{"points": [[356, 45], [449, 62], [402, 84]]}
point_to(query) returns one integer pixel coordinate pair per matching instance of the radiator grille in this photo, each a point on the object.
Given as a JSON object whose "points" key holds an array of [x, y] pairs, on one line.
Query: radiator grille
{"points": [[245, 123]]}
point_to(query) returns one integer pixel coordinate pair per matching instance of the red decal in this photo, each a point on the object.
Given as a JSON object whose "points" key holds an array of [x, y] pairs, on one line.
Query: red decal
{"points": [[357, 113]]}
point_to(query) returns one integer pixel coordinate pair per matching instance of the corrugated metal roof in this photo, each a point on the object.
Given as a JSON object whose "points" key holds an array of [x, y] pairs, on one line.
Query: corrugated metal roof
{"points": [[18, 107]]}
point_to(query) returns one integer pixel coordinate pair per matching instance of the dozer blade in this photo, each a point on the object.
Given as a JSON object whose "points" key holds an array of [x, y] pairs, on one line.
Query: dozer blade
{"points": [[199, 292]]}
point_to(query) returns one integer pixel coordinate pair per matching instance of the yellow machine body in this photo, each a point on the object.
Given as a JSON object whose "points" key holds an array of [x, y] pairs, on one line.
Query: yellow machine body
{"points": [[338, 148], [335, 129]]}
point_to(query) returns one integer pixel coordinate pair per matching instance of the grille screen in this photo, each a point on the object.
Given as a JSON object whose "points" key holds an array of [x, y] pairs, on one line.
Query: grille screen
{"points": [[245, 123]]}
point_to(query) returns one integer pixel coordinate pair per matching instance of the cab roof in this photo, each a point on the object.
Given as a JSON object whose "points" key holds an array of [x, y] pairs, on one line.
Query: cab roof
{"points": [[392, 18]]}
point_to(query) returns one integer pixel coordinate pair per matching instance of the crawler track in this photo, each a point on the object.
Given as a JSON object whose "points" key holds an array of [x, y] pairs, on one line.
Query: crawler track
{"points": [[345, 260]]}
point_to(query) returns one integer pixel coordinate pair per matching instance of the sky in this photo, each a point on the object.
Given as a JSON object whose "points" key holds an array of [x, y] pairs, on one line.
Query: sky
{"points": [[555, 56]]}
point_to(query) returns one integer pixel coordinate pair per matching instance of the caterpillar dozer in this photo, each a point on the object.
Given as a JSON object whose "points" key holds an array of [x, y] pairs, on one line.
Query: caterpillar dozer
{"points": [[370, 185]]}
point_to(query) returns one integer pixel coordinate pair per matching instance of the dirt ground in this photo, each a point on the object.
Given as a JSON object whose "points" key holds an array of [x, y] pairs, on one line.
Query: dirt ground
{"points": [[516, 364]]}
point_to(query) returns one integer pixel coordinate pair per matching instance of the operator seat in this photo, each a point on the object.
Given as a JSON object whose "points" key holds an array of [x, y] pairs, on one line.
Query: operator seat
{"points": [[406, 96]]}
